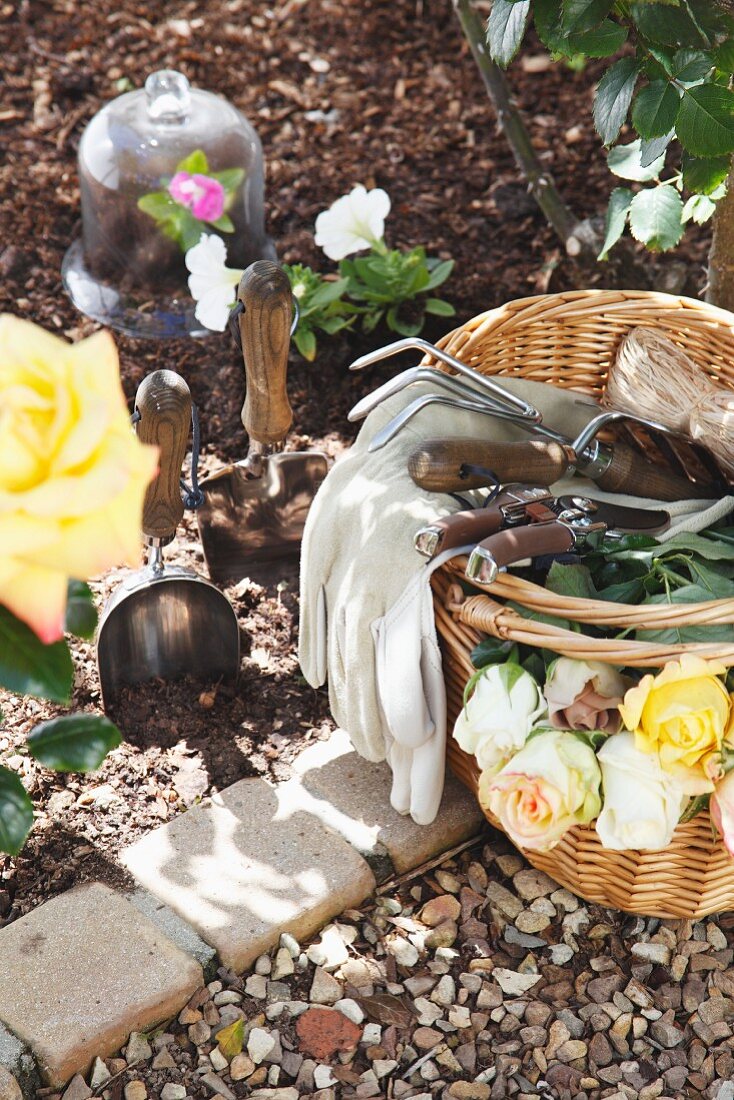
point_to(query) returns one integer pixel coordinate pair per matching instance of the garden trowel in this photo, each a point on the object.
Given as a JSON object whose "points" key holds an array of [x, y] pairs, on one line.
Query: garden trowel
{"points": [[164, 621], [255, 510]]}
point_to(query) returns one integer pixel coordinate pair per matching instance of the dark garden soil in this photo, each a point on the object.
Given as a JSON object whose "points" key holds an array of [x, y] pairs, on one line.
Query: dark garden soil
{"points": [[404, 110]]}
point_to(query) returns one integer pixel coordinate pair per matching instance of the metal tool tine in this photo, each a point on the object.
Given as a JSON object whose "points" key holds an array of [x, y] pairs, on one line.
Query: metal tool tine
{"points": [[391, 429], [523, 408], [420, 374]]}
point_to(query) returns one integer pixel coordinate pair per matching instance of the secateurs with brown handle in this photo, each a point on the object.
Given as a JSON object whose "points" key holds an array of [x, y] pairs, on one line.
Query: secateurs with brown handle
{"points": [[165, 621], [255, 510], [569, 525]]}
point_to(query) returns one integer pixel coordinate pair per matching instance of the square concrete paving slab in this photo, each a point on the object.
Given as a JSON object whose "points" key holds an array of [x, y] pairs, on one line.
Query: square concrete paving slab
{"points": [[247, 866], [81, 972], [352, 796]]}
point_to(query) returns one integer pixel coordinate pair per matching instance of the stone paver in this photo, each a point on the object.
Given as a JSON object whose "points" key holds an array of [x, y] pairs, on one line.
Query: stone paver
{"points": [[248, 865], [352, 796], [81, 972], [177, 930], [16, 1058]]}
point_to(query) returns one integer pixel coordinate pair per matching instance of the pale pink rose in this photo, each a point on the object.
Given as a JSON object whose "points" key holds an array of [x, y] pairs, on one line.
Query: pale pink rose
{"points": [[721, 809], [202, 195], [584, 695]]}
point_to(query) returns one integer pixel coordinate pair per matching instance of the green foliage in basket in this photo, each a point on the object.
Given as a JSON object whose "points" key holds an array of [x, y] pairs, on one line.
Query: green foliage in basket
{"points": [[674, 87]]}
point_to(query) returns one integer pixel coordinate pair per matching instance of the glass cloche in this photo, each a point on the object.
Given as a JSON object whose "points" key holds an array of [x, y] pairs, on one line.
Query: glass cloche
{"points": [[157, 168]]}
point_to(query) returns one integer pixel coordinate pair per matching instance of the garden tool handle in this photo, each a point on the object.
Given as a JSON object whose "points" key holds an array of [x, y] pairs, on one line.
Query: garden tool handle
{"points": [[163, 403], [437, 465], [265, 326], [629, 472], [514, 545]]}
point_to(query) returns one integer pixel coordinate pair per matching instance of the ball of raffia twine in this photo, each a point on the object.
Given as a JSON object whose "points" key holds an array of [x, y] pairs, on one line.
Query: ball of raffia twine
{"points": [[651, 377]]}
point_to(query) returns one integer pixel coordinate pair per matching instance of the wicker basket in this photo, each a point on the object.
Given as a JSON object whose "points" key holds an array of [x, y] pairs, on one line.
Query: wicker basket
{"points": [[569, 340]]}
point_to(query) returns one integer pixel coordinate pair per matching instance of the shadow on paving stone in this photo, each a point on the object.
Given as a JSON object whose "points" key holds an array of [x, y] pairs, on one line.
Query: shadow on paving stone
{"points": [[247, 865]]}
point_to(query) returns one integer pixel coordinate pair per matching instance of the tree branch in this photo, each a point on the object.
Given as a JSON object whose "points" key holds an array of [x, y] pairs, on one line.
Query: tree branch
{"points": [[577, 237]]}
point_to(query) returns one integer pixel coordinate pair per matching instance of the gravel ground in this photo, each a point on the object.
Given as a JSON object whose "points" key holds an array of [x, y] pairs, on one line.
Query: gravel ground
{"points": [[477, 980]]}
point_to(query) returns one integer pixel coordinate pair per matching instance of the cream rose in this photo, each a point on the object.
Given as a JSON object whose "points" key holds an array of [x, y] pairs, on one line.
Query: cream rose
{"points": [[584, 695], [642, 801], [505, 705], [72, 473], [549, 786]]}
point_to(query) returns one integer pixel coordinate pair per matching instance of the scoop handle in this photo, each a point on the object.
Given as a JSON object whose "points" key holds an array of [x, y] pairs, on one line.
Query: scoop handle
{"points": [[437, 464], [164, 404], [265, 325], [628, 472]]}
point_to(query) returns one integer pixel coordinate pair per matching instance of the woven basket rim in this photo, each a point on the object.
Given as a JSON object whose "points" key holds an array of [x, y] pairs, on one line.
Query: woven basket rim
{"points": [[465, 342]]}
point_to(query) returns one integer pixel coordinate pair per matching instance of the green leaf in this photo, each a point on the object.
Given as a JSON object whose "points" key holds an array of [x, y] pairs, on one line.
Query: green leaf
{"points": [[691, 593], [723, 56], [224, 224], [439, 308], [491, 651], [570, 580], [505, 29], [28, 667], [305, 341], [705, 125], [583, 15], [158, 204], [704, 174], [602, 41], [666, 24], [655, 109], [710, 549], [74, 743], [694, 808], [16, 813], [691, 65], [439, 274], [231, 1039], [398, 324], [623, 592], [81, 613], [619, 204], [652, 148], [230, 178], [655, 218], [613, 98], [698, 208], [624, 161], [190, 230], [195, 163]]}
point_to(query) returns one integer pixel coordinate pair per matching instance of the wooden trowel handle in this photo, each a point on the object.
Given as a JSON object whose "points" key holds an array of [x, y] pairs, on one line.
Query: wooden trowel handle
{"points": [[265, 326], [164, 403], [629, 472], [438, 465]]}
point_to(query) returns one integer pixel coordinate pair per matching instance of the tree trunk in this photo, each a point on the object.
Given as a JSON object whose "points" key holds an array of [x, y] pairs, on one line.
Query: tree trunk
{"points": [[720, 289]]}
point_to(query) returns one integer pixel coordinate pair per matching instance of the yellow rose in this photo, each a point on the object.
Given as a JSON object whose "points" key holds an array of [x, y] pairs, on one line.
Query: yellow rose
{"points": [[683, 714], [72, 473]]}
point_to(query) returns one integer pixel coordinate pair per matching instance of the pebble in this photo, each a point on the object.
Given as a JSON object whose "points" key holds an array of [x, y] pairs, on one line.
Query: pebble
{"points": [[532, 922], [263, 965], [504, 900], [227, 997], [448, 882], [170, 1091], [445, 991], [135, 1090], [444, 935], [331, 949], [217, 1085], [460, 1017], [137, 1049], [325, 990], [77, 1089], [350, 1009], [199, 1033], [402, 950], [571, 1050], [291, 944], [323, 1077], [259, 1044], [9, 1087], [241, 1066], [217, 1059], [470, 1090], [257, 986], [99, 1075], [512, 983], [440, 909], [561, 953], [371, 1034], [531, 884], [656, 953], [383, 1066], [283, 965], [163, 1060]]}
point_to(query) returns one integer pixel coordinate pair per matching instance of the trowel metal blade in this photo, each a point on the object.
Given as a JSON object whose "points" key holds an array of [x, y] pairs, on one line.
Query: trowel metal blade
{"points": [[164, 627], [245, 520]]}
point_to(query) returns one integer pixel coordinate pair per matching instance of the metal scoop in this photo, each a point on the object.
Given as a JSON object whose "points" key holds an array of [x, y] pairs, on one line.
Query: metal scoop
{"points": [[164, 621]]}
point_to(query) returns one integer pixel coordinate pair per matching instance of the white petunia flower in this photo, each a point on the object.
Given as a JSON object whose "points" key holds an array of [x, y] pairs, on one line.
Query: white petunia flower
{"points": [[354, 222], [211, 282]]}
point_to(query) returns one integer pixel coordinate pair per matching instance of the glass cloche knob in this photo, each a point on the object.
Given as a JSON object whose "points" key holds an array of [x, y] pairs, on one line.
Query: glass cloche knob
{"points": [[169, 96]]}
